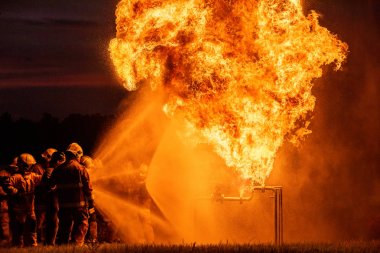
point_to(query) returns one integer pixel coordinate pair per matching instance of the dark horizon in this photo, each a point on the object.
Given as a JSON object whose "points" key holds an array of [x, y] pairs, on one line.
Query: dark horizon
{"points": [[55, 43], [32, 102]]}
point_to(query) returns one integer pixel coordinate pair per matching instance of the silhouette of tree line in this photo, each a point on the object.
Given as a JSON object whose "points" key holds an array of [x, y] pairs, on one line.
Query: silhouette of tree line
{"points": [[23, 135]]}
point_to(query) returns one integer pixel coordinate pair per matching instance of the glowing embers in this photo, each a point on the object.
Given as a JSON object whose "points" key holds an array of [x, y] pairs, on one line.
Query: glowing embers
{"points": [[238, 74]]}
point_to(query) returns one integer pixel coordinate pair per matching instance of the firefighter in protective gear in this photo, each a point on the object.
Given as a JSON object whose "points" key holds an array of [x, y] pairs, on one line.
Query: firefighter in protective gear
{"points": [[52, 207], [41, 194], [4, 215], [76, 150], [74, 192], [5, 210], [144, 201], [42, 165], [92, 234], [87, 162], [21, 187], [48, 153]]}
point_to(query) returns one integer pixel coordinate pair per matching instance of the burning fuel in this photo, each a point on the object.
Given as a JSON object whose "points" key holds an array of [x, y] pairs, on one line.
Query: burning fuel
{"points": [[238, 74]]}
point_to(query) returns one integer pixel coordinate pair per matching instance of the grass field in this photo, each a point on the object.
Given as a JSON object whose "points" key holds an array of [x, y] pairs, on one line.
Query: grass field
{"points": [[372, 246]]}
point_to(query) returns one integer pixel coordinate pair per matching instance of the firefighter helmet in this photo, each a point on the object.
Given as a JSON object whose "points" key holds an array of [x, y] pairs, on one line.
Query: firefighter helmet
{"points": [[87, 162], [25, 161], [48, 153], [58, 158], [75, 149]]}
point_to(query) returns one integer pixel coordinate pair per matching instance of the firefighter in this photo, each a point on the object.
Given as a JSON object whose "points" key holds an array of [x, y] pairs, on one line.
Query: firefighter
{"points": [[21, 187], [92, 234], [52, 207], [43, 163], [4, 215], [41, 193], [144, 201], [74, 192], [12, 169]]}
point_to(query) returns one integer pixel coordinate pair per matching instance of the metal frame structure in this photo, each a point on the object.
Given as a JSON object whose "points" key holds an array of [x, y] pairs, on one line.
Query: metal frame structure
{"points": [[278, 214]]}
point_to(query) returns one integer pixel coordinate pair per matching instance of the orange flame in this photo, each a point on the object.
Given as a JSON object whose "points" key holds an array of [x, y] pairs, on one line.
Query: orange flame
{"points": [[238, 73]]}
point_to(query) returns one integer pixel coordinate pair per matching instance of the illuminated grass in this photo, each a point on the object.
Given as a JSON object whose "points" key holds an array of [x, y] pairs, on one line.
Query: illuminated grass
{"points": [[372, 246]]}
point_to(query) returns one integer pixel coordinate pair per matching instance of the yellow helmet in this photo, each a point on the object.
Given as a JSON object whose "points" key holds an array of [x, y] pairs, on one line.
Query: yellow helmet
{"points": [[48, 153], [75, 149], [25, 161]]}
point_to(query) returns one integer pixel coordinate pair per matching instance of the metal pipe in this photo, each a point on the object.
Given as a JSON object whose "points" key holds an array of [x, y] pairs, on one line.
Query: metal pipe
{"points": [[281, 222], [278, 214], [276, 218]]}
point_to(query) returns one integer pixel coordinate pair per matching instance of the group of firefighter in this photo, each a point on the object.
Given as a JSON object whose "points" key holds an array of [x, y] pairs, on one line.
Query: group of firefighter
{"points": [[47, 202]]}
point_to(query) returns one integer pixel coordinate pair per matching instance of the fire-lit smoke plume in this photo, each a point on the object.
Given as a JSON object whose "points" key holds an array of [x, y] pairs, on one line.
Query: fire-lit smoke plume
{"points": [[238, 73]]}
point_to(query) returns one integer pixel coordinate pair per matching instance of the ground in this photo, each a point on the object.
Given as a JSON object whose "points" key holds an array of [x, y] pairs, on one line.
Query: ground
{"points": [[360, 246]]}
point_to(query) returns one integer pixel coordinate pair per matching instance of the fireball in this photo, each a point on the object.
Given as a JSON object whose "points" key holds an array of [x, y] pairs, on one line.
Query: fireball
{"points": [[238, 74]]}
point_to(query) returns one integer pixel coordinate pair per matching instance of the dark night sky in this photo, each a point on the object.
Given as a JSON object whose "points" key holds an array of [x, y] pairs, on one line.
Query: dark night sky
{"points": [[61, 43], [56, 42], [58, 51]]}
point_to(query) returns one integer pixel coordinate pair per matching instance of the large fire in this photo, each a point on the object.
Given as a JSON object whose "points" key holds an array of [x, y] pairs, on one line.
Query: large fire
{"points": [[238, 73]]}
